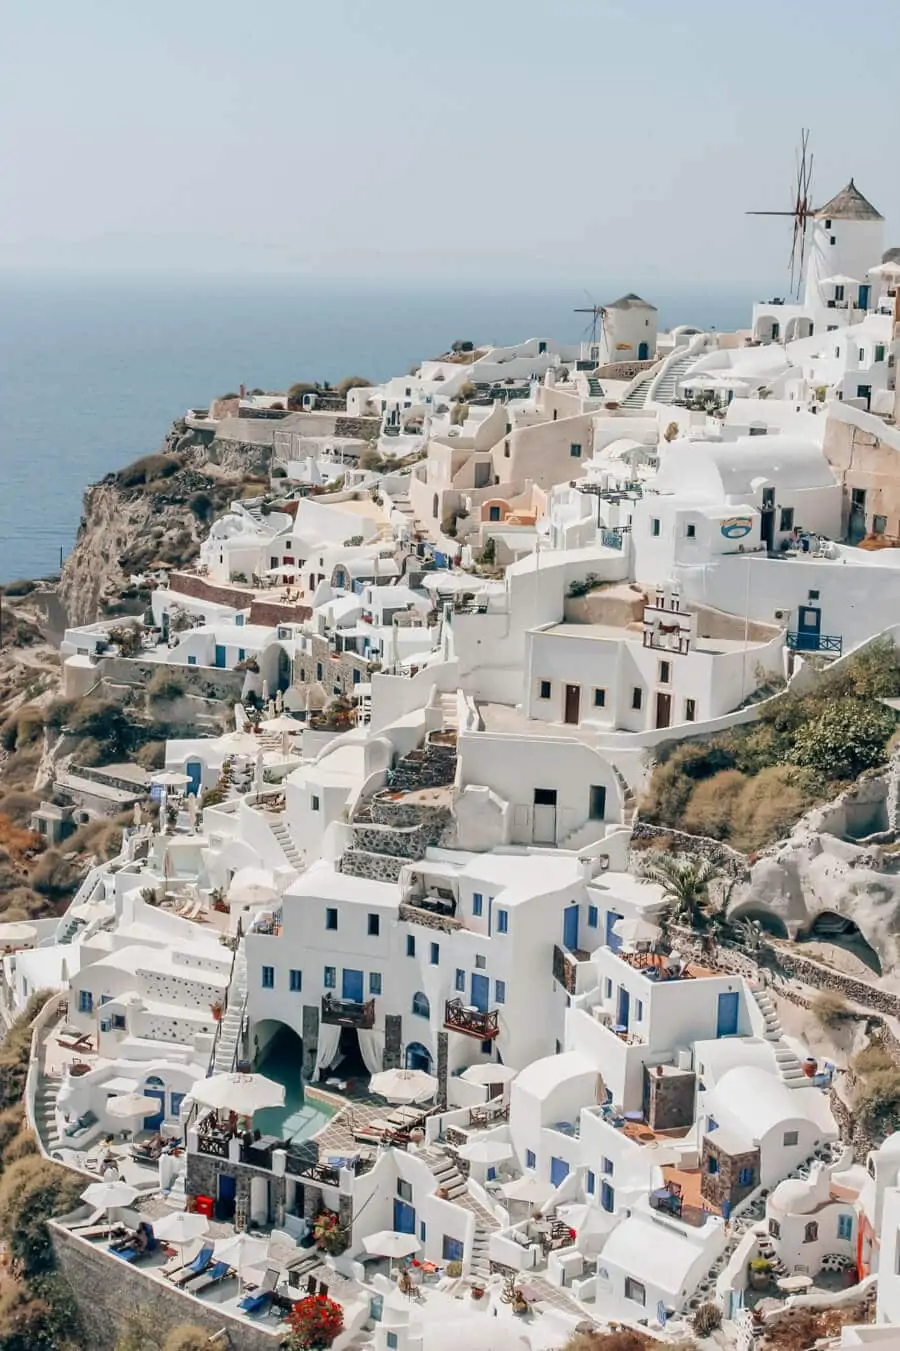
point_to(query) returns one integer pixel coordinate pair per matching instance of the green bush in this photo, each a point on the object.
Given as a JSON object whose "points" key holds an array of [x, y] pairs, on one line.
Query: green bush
{"points": [[103, 721], [164, 687], [847, 737], [31, 1191], [201, 504], [146, 470], [22, 587], [152, 755]]}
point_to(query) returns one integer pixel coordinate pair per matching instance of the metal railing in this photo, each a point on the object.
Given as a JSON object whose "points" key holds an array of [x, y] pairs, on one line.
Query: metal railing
{"points": [[815, 642], [348, 1012], [473, 1022]]}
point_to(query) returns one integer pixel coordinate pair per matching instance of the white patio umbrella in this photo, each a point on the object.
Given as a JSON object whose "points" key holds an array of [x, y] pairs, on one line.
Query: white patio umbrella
{"points": [[240, 743], [839, 279], [128, 1106], [491, 1073], [241, 1251], [170, 778], [528, 1188], [109, 1196], [253, 886], [403, 1085], [487, 1152], [286, 726], [388, 1243], [180, 1228], [240, 1093], [889, 269], [637, 930]]}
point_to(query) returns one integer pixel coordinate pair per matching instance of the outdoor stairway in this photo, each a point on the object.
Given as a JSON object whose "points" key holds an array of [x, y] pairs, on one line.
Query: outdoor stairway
{"points": [[595, 389], [45, 1113], [667, 387], [229, 1035], [287, 846], [480, 1265], [638, 396], [445, 1172], [789, 1068], [450, 718]]}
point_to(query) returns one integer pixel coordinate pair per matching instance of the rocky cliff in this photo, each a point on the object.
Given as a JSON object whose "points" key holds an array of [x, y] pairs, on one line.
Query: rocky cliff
{"points": [[155, 510]]}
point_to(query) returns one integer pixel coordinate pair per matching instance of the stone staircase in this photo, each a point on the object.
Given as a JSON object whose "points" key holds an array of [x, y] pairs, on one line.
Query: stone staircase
{"points": [[233, 1017], [637, 398], [45, 1113], [445, 1171], [452, 1182], [667, 384], [287, 846], [595, 389], [789, 1068]]}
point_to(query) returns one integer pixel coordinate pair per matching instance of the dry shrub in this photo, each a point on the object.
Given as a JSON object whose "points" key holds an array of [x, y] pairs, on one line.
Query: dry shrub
{"points": [[152, 755], [54, 875], [16, 836], [830, 1008], [771, 803], [21, 768], [21, 903], [711, 806], [101, 837]]}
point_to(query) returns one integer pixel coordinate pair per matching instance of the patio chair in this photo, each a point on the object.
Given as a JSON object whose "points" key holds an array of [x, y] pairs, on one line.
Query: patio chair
{"points": [[194, 1268], [212, 1276], [257, 1300]]}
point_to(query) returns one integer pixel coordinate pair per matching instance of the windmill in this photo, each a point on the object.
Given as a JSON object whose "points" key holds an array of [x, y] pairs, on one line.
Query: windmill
{"points": [[598, 315], [801, 211]]}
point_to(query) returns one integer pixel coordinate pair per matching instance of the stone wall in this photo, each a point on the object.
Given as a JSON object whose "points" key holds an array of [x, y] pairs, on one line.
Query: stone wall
{"points": [[189, 584], [410, 842], [270, 613], [726, 858], [824, 978], [202, 1179], [367, 428], [671, 1098], [380, 867], [208, 682], [107, 1290], [723, 1185], [337, 668], [386, 810], [393, 1041]]}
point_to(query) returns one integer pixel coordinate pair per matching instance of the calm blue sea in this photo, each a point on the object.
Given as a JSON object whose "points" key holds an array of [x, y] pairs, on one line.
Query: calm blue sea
{"points": [[92, 371]]}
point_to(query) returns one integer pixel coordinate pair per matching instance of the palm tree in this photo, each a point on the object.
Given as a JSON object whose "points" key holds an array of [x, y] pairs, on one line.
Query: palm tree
{"points": [[686, 883]]}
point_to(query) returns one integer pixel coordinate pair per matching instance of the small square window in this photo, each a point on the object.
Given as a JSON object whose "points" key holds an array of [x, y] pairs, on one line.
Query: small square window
{"points": [[690, 710], [487, 1047], [499, 991], [690, 531], [477, 904], [607, 1167], [331, 918], [635, 1291], [813, 595], [712, 1165], [268, 978], [329, 979], [480, 963], [435, 954], [745, 1177], [845, 1226], [374, 926], [787, 519], [790, 1138], [313, 803], [503, 921], [832, 240], [295, 981], [665, 672], [374, 982], [410, 945], [530, 1158], [390, 1341], [593, 916], [637, 698], [575, 450], [543, 689], [811, 1232], [599, 698], [774, 1228], [654, 526]]}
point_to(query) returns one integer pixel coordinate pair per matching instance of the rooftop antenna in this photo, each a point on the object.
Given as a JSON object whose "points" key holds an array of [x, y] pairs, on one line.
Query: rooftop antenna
{"points": [[801, 210]]}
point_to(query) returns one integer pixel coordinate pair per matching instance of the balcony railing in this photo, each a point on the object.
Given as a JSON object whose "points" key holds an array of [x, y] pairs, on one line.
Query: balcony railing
{"points": [[460, 1017], [348, 1012], [564, 969], [816, 642]]}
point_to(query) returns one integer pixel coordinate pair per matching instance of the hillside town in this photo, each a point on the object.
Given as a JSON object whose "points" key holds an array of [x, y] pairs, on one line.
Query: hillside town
{"points": [[502, 937]]}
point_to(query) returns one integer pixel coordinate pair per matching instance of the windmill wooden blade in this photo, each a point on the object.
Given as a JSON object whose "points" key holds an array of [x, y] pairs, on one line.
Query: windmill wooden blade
{"points": [[801, 210]]}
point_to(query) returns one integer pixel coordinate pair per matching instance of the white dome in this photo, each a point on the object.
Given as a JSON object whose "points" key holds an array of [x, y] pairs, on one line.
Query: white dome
{"points": [[793, 1196]]}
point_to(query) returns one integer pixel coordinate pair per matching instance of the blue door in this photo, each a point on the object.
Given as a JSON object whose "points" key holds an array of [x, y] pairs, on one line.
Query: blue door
{"points": [[155, 1088], [570, 928], [643, 351], [352, 986], [194, 770], [404, 1217], [613, 941], [220, 655], [624, 1008], [727, 1020], [227, 1197], [559, 1171], [809, 628], [864, 297], [481, 991], [607, 1197]]}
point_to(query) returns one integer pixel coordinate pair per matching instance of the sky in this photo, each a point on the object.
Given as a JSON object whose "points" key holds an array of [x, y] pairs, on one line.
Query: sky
{"points": [[389, 139]]}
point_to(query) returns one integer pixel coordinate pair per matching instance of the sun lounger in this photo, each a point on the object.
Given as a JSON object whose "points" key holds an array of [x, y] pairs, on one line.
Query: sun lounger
{"points": [[257, 1300], [92, 1231], [194, 1268], [212, 1276], [136, 1254], [80, 1127]]}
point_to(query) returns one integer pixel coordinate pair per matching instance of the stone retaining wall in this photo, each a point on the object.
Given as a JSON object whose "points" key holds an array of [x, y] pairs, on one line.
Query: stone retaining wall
{"points": [[188, 584], [728, 859], [209, 682], [379, 867], [824, 978]]}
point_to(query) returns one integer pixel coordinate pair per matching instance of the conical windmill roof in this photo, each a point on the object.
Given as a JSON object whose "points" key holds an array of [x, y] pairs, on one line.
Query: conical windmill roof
{"points": [[848, 204]]}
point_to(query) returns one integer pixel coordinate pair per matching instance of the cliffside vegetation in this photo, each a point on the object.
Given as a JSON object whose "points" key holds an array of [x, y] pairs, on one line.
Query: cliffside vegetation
{"points": [[750, 785]]}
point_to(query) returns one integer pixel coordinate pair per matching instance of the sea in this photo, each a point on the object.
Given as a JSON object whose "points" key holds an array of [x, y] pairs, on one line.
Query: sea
{"points": [[93, 369]]}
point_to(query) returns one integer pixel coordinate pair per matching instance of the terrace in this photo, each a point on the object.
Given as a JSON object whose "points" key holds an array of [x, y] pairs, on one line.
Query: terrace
{"points": [[473, 1022]]}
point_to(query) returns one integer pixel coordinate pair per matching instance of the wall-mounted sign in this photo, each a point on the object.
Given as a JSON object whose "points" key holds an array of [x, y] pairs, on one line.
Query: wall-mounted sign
{"points": [[736, 527]]}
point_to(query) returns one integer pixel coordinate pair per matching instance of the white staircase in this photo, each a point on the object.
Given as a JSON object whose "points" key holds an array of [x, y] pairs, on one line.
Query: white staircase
{"points": [[666, 386], [45, 1113], [480, 1264], [286, 844], [446, 1173], [452, 1182], [789, 1067], [227, 1045], [449, 714], [637, 398]]}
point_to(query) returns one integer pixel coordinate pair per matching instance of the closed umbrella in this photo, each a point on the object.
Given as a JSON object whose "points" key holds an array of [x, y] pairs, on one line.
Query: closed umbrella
{"points": [[388, 1243], [403, 1085], [181, 1227], [253, 886], [488, 1074], [109, 1196], [240, 1093], [530, 1189]]}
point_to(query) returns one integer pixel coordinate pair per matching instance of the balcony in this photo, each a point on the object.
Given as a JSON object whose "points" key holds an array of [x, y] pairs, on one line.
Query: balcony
{"points": [[460, 1017], [564, 969], [816, 642], [348, 1012]]}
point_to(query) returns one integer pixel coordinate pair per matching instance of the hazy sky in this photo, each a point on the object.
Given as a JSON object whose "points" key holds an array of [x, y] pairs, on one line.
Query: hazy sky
{"points": [[509, 138]]}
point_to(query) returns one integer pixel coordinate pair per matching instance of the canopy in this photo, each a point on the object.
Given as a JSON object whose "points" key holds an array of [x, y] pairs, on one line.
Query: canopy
{"points": [[180, 1227], [109, 1195], [839, 279], [486, 1151], [636, 930], [528, 1189], [891, 268], [286, 570], [170, 778], [388, 1243], [403, 1085], [128, 1106], [241, 1093], [240, 1251], [490, 1073], [253, 886], [283, 723]]}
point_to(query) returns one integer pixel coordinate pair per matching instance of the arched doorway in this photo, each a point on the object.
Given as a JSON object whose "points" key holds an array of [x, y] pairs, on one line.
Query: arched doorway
{"points": [[421, 1006], [155, 1088], [643, 351], [418, 1057], [194, 770]]}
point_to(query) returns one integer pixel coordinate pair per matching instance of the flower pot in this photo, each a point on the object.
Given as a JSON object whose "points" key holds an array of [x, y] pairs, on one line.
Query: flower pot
{"points": [[477, 1291], [759, 1280]]}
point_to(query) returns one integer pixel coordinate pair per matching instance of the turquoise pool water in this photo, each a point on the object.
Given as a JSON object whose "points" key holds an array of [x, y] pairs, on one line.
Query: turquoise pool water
{"points": [[297, 1119]]}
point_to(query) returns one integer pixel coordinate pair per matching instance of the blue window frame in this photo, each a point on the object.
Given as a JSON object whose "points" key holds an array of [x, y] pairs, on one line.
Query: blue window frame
{"points": [[410, 945], [712, 1165], [242, 654], [845, 1226], [452, 1249], [460, 981], [499, 991], [530, 1158], [85, 1001], [329, 979], [607, 1197], [745, 1177], [608, 1167], [590, 1182], [268, 978], [331, 920], [192, 661], [105, 999], [435, 954], [477, 904], [374, 982], [502, 921], [390, 1339], [295, 981], [593, 917]]}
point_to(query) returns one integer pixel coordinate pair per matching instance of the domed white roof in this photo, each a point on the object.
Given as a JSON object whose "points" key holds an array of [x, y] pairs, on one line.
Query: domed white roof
{"points": [[793, 1196]]}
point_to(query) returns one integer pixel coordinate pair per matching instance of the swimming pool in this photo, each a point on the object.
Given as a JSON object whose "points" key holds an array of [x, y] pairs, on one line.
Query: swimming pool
{"points": [[297, 1119]]}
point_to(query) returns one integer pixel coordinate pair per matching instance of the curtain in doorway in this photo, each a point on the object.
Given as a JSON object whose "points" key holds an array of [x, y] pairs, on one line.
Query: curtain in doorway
{"points": [[329, 1043], [371, 1048]]}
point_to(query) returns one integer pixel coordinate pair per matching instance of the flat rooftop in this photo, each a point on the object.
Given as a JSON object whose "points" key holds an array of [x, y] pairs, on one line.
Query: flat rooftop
{"points": [[634, 633]]}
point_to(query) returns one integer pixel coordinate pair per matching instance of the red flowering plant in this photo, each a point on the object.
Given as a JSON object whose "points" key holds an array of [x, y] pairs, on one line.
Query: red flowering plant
{"points": [[314, 1322], [328, 1233]]}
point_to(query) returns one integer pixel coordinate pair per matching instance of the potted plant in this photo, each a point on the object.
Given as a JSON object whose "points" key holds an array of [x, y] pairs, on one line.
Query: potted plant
{"points": [[759, 1273], [453, 1269], [218, 1008], [314, 1322], [477, 1290]]}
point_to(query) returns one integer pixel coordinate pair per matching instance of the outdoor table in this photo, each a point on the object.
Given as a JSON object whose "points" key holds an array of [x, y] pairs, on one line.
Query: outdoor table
{"points": [[634, 1116]]}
